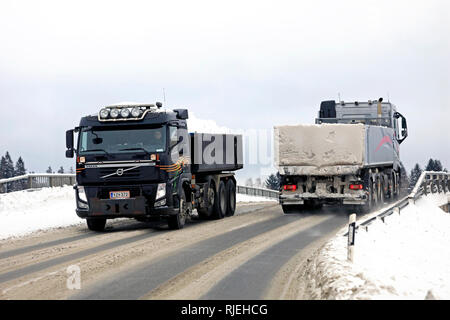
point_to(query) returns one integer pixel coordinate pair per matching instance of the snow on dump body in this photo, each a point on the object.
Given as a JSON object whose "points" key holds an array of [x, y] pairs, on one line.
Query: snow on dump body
{"points": [[319, 149]]}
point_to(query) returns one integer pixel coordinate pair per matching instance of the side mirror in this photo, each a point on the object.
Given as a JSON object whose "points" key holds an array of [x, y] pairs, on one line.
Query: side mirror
{"points": [[69, 153], [181, 113], [69, 144], [403, 130]]}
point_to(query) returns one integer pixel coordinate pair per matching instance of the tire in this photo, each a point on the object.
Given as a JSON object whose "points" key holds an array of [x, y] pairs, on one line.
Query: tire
{"points": [[95, 224], [382, 192], [178, 221], [220, 202], [289, 209], [366, 208], [207, 213], [231, 198]]}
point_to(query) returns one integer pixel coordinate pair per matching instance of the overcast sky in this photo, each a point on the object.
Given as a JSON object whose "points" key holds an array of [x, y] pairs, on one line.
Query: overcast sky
{"points": [[249, 64]]}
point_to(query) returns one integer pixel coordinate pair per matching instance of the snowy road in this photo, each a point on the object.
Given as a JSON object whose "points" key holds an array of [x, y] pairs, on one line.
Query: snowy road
{"points": [[255, 254]]}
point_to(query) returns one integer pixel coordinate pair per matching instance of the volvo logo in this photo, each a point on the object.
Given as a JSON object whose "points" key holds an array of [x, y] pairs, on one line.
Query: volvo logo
{"points": [[120, 172]]}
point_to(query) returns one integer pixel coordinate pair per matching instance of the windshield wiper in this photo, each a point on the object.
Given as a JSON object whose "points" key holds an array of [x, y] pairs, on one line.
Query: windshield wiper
{"points": [[130, 149], [95, 150]]}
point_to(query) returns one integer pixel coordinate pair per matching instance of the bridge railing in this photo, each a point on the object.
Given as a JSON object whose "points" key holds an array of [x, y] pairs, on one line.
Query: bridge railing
{"points": [[45, 180], [261, 192], [36, 181], [428, 182]]}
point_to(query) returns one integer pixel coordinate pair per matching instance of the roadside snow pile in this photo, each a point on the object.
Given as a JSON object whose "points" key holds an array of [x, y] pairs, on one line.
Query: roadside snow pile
{"points": [[408, 257], [201, 125], [247, 198], [23, 212]]}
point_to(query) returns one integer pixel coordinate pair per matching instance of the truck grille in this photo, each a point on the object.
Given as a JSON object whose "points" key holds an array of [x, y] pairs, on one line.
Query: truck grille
{"points": [[130, 174]]}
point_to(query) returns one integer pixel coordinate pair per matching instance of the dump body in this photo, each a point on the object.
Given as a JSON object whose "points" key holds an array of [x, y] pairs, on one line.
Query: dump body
{"points": [[215, 152], [330, 149]]}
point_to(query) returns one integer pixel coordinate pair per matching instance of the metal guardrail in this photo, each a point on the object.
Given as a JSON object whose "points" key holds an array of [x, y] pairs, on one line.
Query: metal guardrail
{"points": [[35, 181], [251, 191], [45, 180], [429, 182]]}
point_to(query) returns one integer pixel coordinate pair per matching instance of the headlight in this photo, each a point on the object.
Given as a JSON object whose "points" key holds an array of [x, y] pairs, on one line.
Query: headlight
{"points": [[104, 113], [114, 113], [135, 112], [161, 191], [82, 202], [82, 194], [125, 113]]}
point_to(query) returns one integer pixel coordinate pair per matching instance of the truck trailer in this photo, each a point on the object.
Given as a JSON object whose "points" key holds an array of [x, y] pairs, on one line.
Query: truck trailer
{"points": [[350, 156], [139, 161]]}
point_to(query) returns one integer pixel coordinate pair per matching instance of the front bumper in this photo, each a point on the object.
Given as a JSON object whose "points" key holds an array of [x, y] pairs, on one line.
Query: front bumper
{"points": [[138, 206], [294, 198]]}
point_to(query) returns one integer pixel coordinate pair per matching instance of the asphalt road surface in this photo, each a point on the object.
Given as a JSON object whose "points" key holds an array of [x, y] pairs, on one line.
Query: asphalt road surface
{"points": [[256, 254]]}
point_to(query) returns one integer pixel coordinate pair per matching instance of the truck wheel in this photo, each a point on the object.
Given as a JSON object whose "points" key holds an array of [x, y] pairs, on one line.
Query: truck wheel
{"points": [[220, 202], [95, 224], [366, 208], [231, 191], [177, 221], [206, 213], [287, 209], [382, 192]]}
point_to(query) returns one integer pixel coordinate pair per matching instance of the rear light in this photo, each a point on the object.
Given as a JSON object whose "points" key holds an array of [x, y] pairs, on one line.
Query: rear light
{"points": [[356, 187], [290, 187]]}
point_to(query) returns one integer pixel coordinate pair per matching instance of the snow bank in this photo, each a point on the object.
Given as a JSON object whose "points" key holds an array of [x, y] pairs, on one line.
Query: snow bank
{"points": [[24, 212], [408, 257], [247, 198], [204, 126]]}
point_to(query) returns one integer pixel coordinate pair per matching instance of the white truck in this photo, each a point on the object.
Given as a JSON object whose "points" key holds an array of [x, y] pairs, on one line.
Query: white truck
{"points": [[350, 156]]}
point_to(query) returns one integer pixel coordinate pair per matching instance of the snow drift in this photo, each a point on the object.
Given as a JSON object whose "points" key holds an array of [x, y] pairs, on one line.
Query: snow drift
{"points": [[408, 257]]}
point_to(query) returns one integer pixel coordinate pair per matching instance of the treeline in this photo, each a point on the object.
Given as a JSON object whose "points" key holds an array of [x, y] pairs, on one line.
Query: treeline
{"points": [[9, 170], [432, 165]]}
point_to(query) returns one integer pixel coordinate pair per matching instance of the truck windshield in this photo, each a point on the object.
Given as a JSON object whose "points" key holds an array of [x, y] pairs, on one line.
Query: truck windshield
{"points": [[120, 140]]}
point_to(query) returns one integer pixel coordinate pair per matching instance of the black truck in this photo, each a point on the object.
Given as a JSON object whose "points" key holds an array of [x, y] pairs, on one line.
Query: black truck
{"points": [[139, 161]]}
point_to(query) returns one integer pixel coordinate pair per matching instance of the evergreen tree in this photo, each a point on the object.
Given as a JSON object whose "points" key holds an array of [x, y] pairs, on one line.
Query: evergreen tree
{"points": [[49, 170], [273, 181], [61, 170], [71, 170], [415, 175], [20, 170], [2, 168], [434, 165], [9, 169]]}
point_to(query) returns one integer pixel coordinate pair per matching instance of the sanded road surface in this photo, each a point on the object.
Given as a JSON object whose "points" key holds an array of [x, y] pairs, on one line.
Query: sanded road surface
{"points": [[256, 254]]}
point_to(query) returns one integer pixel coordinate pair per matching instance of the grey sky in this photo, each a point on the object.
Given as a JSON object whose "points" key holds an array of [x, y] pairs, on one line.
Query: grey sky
{"points": [[243, 64]]}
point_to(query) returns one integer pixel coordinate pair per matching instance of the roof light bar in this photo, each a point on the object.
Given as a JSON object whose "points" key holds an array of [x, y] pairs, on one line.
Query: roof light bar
{"points": [[126, 112]]}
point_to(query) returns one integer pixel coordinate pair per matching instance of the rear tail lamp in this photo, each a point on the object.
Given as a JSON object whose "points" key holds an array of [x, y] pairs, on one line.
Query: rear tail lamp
{"points": [[356, 186], [290, 187]]}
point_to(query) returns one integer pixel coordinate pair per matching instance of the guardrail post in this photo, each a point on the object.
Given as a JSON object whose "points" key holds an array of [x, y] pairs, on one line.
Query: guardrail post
{"points": [[351, 237], [30, 182], [397, 210]]}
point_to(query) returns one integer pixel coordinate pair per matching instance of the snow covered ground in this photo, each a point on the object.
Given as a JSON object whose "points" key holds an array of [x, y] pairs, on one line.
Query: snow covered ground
{"points": [[24, 212], [407, 257]]}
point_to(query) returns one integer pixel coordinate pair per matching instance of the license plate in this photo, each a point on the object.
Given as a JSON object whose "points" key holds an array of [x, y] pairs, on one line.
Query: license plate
{"points": [[114, 195]]}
